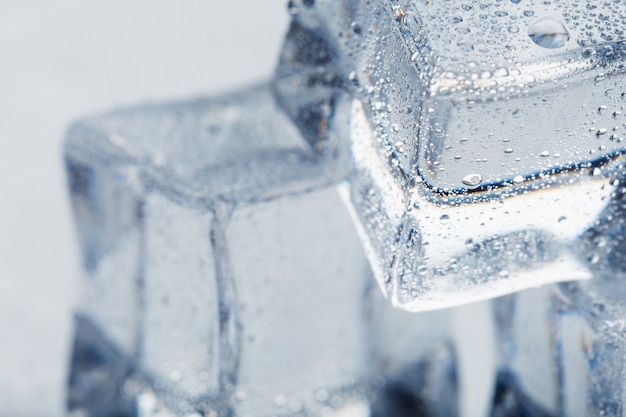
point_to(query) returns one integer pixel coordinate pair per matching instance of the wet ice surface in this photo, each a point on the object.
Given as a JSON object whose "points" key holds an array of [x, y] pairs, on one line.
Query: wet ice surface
{"points": [[486, 136]]}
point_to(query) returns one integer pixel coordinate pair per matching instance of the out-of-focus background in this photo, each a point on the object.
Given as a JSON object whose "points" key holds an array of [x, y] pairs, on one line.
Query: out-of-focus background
{"points": [[60, 60]]}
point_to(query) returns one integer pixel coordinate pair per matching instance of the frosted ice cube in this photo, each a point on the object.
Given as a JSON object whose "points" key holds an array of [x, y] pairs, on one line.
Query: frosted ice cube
{"points": [[223, 274], [487, 137]]}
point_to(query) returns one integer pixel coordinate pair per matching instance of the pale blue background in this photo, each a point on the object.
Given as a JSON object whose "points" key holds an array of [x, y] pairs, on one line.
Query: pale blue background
{"points": [[63, 59]]}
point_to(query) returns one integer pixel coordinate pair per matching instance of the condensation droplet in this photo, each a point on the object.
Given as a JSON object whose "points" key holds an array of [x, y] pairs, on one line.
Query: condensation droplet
{"points": [[472, 180], [548, 33]]}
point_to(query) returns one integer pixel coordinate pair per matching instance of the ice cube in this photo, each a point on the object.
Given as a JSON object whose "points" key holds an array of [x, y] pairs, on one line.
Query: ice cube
{"points": [[527, 381], [223, 274], [590, 343], [486, 137]]}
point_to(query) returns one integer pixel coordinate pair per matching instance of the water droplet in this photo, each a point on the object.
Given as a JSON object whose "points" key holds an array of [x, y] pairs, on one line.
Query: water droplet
{"points": [[472, 180], [515, 1], [518, 179], [508, 150], [596, 171], [444, 219], [548, 33], [601, 131], [544, 154], [356, 28], [454, 19], [588, 52], [513, 29]]}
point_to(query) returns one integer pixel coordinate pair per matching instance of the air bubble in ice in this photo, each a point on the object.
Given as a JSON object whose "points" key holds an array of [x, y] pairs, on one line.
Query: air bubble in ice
{"points": [[548, 33]]}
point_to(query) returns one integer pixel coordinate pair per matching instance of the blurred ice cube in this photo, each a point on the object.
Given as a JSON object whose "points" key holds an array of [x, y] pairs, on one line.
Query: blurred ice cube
{"points": [[223, 274]]}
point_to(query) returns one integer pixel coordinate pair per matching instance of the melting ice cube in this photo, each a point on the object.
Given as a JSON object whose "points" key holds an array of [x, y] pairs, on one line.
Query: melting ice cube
{"points": [[455, 110]]}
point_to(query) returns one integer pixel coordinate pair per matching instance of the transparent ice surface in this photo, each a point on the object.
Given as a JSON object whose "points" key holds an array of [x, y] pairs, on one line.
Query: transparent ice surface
{"points": [[588, 322], [223, 275], [527, 381], [561, 348], [487, 137]]}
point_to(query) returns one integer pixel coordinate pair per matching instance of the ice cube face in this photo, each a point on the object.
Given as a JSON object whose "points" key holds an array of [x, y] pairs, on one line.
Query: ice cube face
{"points": [[223, 274], [487, 137]]}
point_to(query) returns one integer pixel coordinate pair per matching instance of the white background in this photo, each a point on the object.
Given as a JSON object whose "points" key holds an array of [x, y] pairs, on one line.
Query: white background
{"points": [[60, 60]]}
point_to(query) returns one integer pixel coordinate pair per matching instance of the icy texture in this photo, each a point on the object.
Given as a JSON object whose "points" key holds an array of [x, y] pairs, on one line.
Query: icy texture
{"points": [[527, 379], [223, 275], [486, 136], [590, 339], [563, 350]]}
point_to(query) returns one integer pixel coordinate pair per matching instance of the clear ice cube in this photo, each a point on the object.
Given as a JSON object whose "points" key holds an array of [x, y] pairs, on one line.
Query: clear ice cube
{"points": [[487, 138], [563, 351], [590, 345], [527, 380], [223, 274]]}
